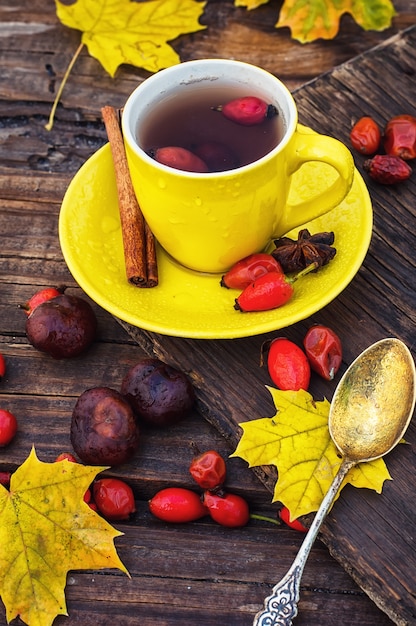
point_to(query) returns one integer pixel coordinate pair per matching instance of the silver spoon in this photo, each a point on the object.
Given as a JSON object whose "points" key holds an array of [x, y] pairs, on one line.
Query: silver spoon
{"points": [[370, 412]]}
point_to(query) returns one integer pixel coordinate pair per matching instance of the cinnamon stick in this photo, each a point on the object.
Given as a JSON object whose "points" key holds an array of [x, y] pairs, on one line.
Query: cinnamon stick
{"points": [[151, 258], [138, 240]]}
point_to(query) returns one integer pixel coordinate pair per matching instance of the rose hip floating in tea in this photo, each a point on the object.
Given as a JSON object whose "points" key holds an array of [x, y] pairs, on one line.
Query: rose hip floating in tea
{"points": [[179, 158], [188, 132], [247, 111], [217, 155]]}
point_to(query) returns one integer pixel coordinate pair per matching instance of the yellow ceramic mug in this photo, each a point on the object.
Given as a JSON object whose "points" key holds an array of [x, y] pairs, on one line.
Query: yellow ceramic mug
{"points": [[208, 221]]}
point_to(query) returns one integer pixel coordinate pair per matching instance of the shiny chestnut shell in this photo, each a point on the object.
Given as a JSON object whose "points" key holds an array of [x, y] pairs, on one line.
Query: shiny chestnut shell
{"points": [[104, 430], [63, 327], [160, 394]]}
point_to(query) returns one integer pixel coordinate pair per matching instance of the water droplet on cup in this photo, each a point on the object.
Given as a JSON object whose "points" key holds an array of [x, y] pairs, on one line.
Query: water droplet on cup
{"points": [[109, 224]]}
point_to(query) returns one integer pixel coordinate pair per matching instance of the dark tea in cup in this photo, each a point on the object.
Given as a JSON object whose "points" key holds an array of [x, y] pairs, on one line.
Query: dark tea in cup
{"points": [[191, 118]]}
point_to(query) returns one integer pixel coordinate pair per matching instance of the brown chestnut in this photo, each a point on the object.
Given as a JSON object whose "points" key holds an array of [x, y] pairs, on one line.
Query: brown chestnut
{"points": [[160, 394], [104, 430], [63, 326]]}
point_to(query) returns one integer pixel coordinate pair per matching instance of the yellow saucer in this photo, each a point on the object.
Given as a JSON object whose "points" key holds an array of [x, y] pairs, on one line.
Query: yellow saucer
{"points": [[187, 303]]}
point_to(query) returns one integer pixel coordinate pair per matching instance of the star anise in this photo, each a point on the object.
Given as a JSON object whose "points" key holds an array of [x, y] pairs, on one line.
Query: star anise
{"points": [[295, 255]]}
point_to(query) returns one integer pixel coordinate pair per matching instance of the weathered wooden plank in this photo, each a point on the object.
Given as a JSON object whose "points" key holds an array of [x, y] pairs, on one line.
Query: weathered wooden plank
{"points": [[35, 169], [231, 589], [380, 297]]}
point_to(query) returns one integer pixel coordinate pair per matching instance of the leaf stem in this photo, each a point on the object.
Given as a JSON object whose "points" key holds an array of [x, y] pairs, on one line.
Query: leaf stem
{"points": [[49, 125], [264, 518]]}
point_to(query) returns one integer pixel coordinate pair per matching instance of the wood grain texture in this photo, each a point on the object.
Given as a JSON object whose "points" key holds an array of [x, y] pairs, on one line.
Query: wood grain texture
{"points": [[202, 573], [377, 553]]}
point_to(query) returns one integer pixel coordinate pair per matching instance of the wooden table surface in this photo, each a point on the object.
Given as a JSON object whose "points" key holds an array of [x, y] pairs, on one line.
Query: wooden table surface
{"points": [[201, 573]]}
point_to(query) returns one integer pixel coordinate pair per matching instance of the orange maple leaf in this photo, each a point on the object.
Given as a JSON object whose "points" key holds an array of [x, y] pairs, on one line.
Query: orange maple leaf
{"points": [[313, 19], [316, 19]]}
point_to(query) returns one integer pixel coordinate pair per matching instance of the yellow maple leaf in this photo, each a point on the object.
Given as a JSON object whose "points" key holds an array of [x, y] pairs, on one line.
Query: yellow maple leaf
{"points": [[46, 529], [122, 31], [250, 4], [297, 441], [313, 19], [136, 33]]}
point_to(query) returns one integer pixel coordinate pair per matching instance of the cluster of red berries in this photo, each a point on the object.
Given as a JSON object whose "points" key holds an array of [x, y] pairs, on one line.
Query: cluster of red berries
{"points": [[179, 504], [399, 143], [111, 497], [262, 281], [290, 366]]}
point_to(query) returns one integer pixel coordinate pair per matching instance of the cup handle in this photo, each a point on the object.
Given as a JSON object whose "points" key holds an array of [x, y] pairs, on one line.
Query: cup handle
{"points": [[309, 146]]}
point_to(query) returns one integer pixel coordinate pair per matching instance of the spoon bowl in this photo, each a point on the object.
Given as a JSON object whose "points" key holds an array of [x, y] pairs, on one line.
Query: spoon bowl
{"points": [[370, 412], [374, 401]]}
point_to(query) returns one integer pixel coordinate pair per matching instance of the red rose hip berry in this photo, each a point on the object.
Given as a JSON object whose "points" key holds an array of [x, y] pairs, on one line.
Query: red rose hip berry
{"points": [[8, 427], [41, 296], [246, 271], [284, 515], [208, 470], [58, 324], [229, 510], [5, 479], [114, 498], [365, 135], [269, 291], [65, 456], [400, 137], [324, 350], [179, 158], [177, 505], [387, 169], [247, 111], [288, 365]]}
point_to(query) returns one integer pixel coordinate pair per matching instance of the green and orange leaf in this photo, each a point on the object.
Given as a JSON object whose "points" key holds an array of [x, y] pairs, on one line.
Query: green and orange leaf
{"points": [[309, 20]]}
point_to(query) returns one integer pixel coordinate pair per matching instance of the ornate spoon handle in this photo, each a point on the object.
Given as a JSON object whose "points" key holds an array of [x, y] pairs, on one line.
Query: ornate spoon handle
{"points": [[281, 606]]}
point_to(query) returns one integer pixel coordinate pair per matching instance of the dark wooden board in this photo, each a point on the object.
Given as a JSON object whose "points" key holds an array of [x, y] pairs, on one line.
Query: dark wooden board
{"points": [[180, 574], [198, 573], [370, 535]]}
